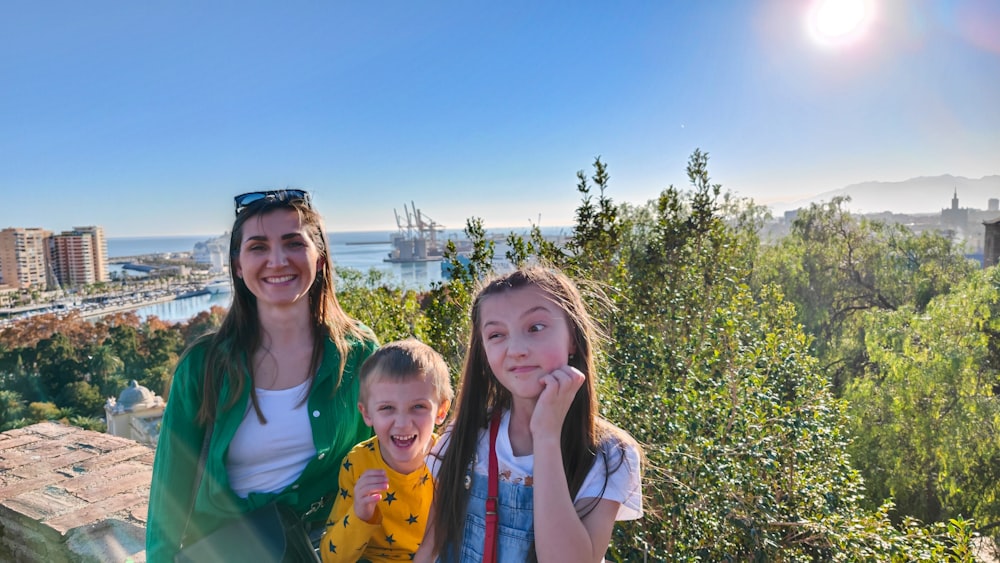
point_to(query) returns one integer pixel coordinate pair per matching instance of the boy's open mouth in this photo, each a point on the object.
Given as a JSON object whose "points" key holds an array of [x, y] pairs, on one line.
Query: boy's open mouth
{"points": [[404, 441]]}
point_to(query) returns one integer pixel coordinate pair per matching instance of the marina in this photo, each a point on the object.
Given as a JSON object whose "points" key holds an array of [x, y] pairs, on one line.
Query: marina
{"points": [[410, 257]]}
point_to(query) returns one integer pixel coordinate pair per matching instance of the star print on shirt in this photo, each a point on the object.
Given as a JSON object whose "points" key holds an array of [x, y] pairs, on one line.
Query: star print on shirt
{"points": [[344, 493], [332, 548], [347, 464], [370, 446], [412, 519], [345, 520], [389, 539], [423, 480], [389, 498]]}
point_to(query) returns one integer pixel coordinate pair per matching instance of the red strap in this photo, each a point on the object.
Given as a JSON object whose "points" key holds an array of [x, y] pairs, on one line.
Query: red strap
{"points": [[490, 543]]}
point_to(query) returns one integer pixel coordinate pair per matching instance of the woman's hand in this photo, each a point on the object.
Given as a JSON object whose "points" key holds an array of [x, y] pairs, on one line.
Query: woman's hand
{"points": [[368, 493], [559, 388]]}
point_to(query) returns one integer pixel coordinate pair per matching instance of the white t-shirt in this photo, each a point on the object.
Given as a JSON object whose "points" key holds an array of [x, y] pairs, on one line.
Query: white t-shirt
{"points": [[623, 486], [266, 458]]}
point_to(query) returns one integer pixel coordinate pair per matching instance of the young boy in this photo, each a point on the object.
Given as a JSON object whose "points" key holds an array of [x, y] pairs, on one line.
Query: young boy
{"points": [[385, 488]]}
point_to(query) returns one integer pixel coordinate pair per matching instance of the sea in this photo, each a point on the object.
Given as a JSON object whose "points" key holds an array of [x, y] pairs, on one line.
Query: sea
{"points": [[358, 250]]}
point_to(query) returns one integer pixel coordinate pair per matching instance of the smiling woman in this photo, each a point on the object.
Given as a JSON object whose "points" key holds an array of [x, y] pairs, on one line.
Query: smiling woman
{"points": [[839, 22]]}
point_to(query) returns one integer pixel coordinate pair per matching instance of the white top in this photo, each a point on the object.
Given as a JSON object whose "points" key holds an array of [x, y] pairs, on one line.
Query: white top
{"points": [[623, 486], [267, 458]]}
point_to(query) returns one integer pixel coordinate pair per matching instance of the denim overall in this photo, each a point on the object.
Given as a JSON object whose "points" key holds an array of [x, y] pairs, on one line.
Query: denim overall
{"points": [[516, 531]]}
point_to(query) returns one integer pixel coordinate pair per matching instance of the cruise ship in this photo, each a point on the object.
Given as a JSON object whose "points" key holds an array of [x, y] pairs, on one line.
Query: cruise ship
{"points": [[219, 285]]}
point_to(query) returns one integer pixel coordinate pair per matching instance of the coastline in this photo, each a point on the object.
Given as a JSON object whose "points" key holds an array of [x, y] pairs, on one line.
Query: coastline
{"points": [[109, 305], [361, 251]]}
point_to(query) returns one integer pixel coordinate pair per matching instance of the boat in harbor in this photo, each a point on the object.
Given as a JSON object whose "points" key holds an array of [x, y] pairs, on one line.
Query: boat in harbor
{"points": [[219, 285]]}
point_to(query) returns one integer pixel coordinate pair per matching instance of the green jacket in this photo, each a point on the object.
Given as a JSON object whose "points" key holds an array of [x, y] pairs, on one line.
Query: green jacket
{"points": [[336, 427]]}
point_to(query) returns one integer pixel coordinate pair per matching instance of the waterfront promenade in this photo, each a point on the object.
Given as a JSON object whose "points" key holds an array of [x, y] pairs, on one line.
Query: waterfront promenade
{"points": [[129, 304], [96, 306]]}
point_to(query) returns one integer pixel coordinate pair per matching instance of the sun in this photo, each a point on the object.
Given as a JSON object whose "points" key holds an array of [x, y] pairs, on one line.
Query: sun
{"points": [[839, 22]]}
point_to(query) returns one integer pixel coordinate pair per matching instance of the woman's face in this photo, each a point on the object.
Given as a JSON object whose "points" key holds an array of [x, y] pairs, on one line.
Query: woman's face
{"points": [[278, 259]]}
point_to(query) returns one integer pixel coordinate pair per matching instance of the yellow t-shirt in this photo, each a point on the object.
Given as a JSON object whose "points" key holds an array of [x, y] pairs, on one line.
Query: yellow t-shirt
{"points": [[399, 520]]}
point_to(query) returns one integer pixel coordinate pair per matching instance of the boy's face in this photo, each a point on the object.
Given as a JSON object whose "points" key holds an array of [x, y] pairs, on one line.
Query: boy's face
{"points": [[403, 415]]}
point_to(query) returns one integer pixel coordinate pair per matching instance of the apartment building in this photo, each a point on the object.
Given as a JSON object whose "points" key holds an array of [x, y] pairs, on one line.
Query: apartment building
{"points": [[24, 257], [80, 256], [34, 258]]}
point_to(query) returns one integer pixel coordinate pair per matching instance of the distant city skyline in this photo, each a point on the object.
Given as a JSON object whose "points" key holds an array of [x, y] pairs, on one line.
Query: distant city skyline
{"points": [[147, 118]]}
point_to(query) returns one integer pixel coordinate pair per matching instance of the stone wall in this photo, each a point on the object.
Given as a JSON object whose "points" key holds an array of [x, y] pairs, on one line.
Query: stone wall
{"points": [[72, 495]]}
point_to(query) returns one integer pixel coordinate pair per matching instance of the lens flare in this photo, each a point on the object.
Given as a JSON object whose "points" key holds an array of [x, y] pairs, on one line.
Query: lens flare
{"points": [[839, 22]]}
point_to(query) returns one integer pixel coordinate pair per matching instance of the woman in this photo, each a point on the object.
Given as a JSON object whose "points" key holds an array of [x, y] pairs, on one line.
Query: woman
{"points": [[277, 384]]}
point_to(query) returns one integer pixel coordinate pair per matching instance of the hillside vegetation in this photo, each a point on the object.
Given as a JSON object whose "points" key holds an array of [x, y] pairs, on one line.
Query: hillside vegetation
{"points": [[831, 396]]}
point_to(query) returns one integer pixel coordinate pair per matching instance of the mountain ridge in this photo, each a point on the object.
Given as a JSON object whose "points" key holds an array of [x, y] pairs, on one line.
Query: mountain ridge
{"points": [[918, 195]]}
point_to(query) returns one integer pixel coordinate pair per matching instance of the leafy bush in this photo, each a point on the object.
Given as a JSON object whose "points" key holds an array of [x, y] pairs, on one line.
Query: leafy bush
{"points": [[746, 443]]}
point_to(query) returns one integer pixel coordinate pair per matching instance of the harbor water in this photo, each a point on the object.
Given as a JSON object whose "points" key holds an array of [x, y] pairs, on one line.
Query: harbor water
{"points": [[355, 250], [359, 251]]}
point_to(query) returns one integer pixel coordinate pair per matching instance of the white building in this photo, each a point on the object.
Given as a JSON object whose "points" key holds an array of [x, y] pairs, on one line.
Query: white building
{"points": [[136, 414], [214, 252]]}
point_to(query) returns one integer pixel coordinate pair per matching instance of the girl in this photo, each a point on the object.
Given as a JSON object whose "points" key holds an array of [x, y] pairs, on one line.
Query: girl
{"points": [[277, 383], [565, 475]]}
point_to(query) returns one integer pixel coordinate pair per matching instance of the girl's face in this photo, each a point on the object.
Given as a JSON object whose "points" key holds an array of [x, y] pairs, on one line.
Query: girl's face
{"points": [[278, 260], [525, 336]]}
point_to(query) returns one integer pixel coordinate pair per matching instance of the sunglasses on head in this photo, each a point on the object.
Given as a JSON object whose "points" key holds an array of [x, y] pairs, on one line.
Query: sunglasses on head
{"points": [[280, 196]]}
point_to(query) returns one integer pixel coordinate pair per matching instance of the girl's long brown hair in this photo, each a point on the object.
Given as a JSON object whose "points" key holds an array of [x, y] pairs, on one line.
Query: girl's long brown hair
{"points": [[480, 393], [230, 349]]}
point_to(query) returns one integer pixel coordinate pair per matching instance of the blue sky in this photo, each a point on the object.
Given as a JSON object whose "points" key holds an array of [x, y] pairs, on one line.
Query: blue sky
{"points": [[146, 118]]}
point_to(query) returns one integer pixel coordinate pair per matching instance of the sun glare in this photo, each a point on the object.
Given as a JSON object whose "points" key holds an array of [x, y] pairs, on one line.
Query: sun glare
{"points": [[839, 22]]}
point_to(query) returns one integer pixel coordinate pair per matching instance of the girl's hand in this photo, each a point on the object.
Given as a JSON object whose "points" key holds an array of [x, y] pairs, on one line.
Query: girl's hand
{"points": [[368, 493], [558, 391]]}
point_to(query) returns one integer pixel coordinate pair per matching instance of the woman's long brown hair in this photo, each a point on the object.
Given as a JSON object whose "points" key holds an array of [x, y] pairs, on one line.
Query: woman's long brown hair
{"points": [[480, 393], [230, 349]]}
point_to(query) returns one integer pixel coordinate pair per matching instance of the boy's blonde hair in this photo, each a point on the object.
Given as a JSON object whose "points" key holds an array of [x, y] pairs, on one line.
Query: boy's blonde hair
{"points": [[403, 360]]}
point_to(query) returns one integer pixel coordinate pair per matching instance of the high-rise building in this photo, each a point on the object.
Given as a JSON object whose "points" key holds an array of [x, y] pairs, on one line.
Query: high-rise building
{"points": [[24, 257], [214, 252], [80, 256], [72, 258], [100, 248]]}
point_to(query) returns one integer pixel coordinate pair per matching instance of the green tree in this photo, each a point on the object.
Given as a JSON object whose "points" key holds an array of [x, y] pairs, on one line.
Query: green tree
{"points": [[746, 444], [925, 414], [125, 341], [157, 379], [161, 348], [58, 365], [106, 370], [390, 311], [597, 232], [12, 407], [82, 398], [835, 266]]}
